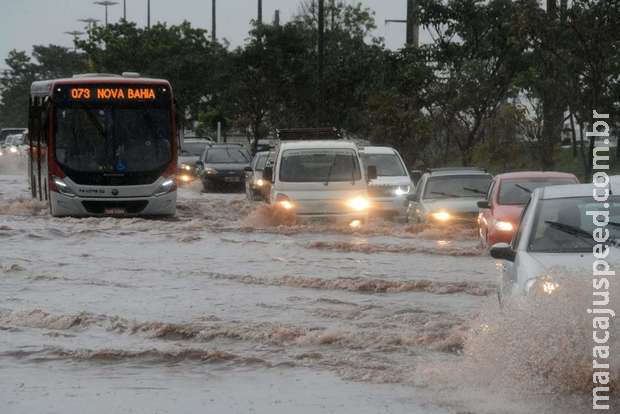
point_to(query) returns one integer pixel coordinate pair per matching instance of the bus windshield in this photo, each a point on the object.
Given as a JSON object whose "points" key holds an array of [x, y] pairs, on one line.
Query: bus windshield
{"points": [[113, 140]]}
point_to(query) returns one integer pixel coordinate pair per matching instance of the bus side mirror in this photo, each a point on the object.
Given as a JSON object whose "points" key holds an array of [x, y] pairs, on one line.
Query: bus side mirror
{"points": [[483, 204], [268, 174], [371, 172]]}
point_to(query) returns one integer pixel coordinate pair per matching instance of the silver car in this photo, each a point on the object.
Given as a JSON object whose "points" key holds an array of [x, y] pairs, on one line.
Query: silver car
{"points": [[448, 196], [556, 233]]}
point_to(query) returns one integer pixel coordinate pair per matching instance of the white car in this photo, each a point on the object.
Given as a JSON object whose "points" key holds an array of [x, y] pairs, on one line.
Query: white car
{"points": [[320, 180], [388, 192], [556, 233]]}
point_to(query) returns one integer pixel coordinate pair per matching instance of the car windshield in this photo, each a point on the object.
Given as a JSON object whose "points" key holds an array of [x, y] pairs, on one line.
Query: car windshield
{"points": [[388, 165], [113, 140], [193, 149], [320, 165], [562, 225], [227, 155], [517, 192], [457, 186]]}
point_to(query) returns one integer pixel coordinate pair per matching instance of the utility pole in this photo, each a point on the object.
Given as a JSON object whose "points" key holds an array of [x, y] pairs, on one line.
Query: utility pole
{"points": [[125, 10], [259, 18], [148, 14], [213, 21], [106, 4], [321, 62], [413, 29]]}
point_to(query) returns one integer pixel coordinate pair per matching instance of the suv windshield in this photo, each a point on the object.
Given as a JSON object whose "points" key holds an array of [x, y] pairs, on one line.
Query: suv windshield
{"points": [[456, 186], [113, 140], [515, 192], [562, 226], [227, 155], [388, 165], [320, 165], [193, 148]]}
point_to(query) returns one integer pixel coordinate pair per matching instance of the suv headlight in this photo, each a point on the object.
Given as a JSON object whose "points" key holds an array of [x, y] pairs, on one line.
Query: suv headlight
{"points": [[62, 187], [358, 204], [402, 190], [166, 187]]}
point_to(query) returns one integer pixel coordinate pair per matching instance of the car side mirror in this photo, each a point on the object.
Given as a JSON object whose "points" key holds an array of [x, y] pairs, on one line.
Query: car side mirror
{"points": [[248, 169], [483, 204], [199, 165], [371, 172], [503, 251], [268, 174]]}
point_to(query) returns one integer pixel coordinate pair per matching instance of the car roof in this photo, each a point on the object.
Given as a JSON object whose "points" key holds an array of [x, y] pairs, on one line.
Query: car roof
{"points": [[575, 190], [339, 144], [377, 150], [534, 174], [447, 172]]}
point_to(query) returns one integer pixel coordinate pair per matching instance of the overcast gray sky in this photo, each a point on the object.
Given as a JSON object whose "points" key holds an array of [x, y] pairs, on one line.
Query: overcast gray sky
{"points": [[27, 22]]}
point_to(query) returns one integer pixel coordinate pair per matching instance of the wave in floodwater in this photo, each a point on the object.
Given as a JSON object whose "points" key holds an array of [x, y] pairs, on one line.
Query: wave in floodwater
{"points": [[540, 347], [353, 247], [23, 207], [366, 285]]}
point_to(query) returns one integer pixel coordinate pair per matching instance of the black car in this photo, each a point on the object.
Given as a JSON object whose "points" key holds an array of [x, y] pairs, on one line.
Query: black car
{"points": [[223, 166]]}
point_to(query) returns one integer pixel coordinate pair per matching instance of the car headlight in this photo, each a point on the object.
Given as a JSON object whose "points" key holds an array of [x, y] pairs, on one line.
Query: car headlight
{"points": [[259, 183], [1, 153], [186, 167], [283, 202], [62, 187], [544, 284], [166, 187], [442, 216], [358, 203], [402, 190], [185, 178], [504, 226], [13, 150], [210, 171]]}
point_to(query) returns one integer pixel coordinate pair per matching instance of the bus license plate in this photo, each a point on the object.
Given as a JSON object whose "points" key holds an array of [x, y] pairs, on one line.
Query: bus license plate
{"points": [[232, 179], [114, 211]]}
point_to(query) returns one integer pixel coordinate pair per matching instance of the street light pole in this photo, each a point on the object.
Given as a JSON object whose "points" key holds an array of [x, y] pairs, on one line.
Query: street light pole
{"points": [[148, 14], [75, 34], [125, 10], [106, 4], [89, 21]]}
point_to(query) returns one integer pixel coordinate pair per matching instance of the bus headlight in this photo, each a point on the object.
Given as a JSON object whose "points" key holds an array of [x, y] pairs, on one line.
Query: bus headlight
{"points": [[358, 204], [442, 216], [166, 187], [62, 187]]}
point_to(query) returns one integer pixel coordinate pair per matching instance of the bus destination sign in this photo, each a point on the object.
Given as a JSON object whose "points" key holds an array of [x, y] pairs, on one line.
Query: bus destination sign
{"points": [[116, 93]]}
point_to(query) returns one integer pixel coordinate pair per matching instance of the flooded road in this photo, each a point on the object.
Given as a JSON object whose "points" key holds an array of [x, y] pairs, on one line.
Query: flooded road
{"points": [[223, 309]]}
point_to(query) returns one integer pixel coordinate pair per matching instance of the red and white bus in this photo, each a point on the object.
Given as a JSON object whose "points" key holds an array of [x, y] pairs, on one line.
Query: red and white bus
{"points": [[103, 145]]}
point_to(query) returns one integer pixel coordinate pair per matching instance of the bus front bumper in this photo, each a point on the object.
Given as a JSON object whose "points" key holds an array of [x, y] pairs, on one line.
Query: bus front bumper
{"points": [[164, 205]]}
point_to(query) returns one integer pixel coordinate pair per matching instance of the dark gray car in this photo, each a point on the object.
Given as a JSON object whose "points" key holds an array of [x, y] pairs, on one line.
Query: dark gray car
{"points": [[222, 166]]}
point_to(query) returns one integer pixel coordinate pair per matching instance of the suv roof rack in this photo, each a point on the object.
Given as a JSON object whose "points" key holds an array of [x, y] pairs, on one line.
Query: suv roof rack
{"points": [[308, 134]]}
